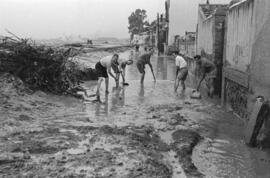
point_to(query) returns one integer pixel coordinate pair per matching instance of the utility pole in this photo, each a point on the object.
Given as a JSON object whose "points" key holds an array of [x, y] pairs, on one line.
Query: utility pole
{"points": [[158, 32]]}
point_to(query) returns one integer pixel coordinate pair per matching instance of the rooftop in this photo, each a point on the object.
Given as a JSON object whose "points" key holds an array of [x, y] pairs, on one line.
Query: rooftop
{"points": [[209, 9]]}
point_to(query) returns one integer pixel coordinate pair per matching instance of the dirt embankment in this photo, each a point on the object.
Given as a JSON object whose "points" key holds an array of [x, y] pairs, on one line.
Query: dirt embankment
{"points": [[47, 68]]}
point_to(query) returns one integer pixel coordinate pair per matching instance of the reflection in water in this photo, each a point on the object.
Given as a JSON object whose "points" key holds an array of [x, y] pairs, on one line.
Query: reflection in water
{"points": [[116, 101], [224, 153], [161, 69], [182, 95], [118, 98], [141, 93], [102, 108], [171, 70]]}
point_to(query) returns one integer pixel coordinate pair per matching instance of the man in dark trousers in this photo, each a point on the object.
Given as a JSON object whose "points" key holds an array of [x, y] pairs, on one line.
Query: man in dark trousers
{"points": [[103, 68], [208, 72], [142, 61]]}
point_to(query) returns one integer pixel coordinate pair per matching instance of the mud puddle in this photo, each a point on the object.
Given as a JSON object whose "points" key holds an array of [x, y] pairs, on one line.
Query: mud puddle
{"points": [[223, 152]]}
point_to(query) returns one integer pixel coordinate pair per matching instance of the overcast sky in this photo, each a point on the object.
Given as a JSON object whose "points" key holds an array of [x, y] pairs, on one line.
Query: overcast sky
{"points": [[89, 18]]}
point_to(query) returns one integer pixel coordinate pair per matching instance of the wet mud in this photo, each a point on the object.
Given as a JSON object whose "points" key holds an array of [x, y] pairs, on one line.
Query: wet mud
{"points": [[138, 131], [184, 143], [91, 151]]}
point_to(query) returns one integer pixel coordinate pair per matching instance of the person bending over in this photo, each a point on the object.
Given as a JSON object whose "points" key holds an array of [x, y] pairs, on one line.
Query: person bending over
{"points": [[122, 69], [142, 61], [103, 68], [208, 72]]}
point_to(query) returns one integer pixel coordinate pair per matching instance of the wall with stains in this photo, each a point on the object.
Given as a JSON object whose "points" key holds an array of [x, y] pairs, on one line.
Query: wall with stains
{"points": [[187, 47], [240, 27], [205, 35], [260, 63], [247, 55], [248, 43]]}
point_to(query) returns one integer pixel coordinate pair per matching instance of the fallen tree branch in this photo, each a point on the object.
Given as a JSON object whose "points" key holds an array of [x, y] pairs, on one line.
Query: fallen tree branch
{"points": [[41, 67]]}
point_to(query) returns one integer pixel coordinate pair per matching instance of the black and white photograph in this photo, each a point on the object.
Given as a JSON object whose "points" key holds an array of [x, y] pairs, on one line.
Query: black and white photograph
{"points": [[134, 88]]}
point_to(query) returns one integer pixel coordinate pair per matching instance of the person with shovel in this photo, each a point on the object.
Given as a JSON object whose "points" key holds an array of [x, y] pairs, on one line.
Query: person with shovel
{"points": [[142, 61], [181, 70], [208, 72], [103, 68], [122, 69]]}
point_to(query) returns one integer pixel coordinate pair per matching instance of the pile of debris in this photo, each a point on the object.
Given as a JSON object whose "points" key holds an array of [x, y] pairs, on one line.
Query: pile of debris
{"points": [[40, 67]]}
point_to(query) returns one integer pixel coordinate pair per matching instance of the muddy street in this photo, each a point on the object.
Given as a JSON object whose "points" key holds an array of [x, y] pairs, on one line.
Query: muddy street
{"points": [[138, 131]]}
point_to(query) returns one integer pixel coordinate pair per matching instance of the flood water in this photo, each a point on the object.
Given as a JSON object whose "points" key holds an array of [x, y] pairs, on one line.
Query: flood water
{"points": [[222, 153]]}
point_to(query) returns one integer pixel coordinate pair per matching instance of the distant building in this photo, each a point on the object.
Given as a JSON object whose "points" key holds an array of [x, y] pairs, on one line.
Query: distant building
{"points": [[210, 36], [186, 44]]}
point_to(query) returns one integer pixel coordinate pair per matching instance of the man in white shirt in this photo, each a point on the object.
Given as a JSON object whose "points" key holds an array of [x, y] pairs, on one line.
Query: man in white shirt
{"points": [[103, 68], [181, 70]]}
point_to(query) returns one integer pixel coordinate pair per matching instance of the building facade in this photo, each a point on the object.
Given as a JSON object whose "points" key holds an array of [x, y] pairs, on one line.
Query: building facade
{"points": [[247, 55], [186, 44]]}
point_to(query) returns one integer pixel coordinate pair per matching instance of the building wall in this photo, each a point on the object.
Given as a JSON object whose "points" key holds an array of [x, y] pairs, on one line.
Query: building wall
{"points": [[247, 56], [248, 45], [240, 22], [218, 48], [205, 36], [260, 63], [187, 47]]}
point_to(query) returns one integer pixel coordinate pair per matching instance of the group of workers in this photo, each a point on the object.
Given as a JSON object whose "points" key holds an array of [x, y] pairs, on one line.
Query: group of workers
{"points": [[105, 66]]}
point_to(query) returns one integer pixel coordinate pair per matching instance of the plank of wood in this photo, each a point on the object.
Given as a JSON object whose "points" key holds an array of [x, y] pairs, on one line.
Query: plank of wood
{"points": [[249, 130]]}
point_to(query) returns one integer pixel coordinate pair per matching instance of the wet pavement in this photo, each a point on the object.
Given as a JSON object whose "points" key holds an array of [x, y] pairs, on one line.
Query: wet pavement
{"points": [[138, 131], [222, 153]]}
